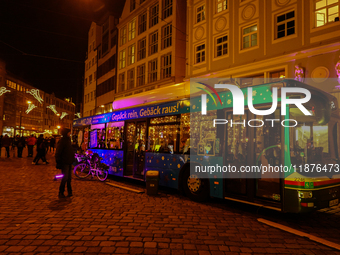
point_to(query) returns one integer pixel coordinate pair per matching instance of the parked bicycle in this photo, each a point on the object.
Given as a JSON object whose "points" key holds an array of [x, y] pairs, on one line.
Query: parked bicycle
{"points": [[90, 164]]}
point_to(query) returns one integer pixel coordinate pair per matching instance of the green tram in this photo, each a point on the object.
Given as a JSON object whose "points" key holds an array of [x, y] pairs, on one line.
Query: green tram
{"points": [[174, 137]]}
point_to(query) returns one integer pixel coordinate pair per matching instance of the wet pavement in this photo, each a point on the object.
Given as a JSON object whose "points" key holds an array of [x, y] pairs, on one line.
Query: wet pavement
{"points": [[100, 218]]}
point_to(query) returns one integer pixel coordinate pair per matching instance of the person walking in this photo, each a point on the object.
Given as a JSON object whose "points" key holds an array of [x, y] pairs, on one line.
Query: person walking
{"points": [[64, 157], [30, 144], [21, 143], [41, 150], [6, 142], [52, 143]]}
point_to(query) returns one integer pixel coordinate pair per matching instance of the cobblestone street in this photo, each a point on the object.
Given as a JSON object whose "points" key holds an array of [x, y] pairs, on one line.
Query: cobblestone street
{"points": [[100, 218]]}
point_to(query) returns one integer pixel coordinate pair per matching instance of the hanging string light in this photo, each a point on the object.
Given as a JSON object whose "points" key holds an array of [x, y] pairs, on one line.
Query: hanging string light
{"points": [[78, 115], [3, 90], [36, 95], [63, 114], [52, 107], [30, 108]]}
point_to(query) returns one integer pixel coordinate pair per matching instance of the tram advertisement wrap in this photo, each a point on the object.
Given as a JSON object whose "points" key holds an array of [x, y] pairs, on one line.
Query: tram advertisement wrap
{"points": [[263, 128]]}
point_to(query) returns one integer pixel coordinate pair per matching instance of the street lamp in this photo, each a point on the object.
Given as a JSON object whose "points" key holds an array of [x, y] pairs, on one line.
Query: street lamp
{"points": [[58, 129]]}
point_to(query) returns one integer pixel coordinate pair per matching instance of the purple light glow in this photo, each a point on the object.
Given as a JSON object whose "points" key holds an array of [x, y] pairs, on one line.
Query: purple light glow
{"points": [[59, 176]]}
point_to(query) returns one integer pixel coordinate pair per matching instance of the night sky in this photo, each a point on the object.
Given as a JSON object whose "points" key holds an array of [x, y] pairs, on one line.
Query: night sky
{"points": [[55, 31]]}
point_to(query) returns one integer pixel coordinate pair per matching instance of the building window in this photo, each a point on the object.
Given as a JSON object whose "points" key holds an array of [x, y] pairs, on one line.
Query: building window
{"points": [[200, 13], [285, 24], [123, 36], [200, 54], [277, 74], [132, 5], [142, 23], [249, 37], [166, 66], [222, 46], [132, 29], [90, 79], [121, 85], [91, 95], [141, 75], [153, 68], [166, 36], [131, 54], [167, 8], [141, 49], [131, 78], [221, 5], [154, 15], [326, 11], [153, 43], [122, 59]]}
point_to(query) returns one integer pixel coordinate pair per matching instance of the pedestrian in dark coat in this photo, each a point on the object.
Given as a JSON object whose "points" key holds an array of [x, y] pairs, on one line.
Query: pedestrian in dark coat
{"points": [[41, 151], [52, 143], [21, 143], [6, 142], [64, 157]]}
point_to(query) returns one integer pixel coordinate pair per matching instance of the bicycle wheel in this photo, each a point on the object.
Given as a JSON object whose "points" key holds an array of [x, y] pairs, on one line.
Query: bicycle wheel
{"points": [[102, 174], [82, 170]]}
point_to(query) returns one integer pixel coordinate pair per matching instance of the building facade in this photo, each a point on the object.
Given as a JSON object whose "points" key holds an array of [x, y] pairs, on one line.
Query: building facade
{"points": [[90, 79], [26, 110], [263, 39]]}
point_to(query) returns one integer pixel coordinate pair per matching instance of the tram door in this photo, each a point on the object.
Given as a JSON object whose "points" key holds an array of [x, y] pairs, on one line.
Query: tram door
{"points": [[135, 150]]}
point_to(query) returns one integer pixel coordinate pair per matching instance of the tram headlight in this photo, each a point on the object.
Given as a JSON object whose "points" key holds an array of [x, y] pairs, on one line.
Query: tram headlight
{"points": [[305, 194]]}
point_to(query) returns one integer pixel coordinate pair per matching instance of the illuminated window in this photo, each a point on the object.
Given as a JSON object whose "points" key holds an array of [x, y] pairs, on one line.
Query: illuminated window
{"points": [[132, 29], [141, 49], [122, 59], [153, 68], [166, 66], [285, 24], [123, 36], [131, 78], [200, 13], [249, 37], [222, 46], [277, 74], [141, 75], [221, 5], [326, 11], [167, 8], [142, 23], [153, 43], [166, 36], [200, 54], [131, 54], [121, 85], [154, 15]]}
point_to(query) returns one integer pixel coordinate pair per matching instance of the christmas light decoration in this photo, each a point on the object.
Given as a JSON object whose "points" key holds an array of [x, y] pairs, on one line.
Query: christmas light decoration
{"points": [[36, 95], [3, 90], [30, 108], [52, 107], [63, 114], [78, 115]]}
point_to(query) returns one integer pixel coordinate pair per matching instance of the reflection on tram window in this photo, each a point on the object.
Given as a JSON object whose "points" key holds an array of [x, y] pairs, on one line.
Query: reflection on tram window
{"points": [[203, 135], [115, 134], [310, 141], [97, 136]]}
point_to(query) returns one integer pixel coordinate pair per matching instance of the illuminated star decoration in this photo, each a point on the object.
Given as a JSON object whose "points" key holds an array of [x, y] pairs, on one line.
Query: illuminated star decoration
{"points": [[52, 107], [30, 108], [63, 114], [35, 93], [3, 90], [78, 115]]}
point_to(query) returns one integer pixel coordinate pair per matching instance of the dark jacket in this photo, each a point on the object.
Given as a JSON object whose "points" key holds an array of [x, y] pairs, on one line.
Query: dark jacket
{"points": [[40, 144], [64, 154], [6, 141]]}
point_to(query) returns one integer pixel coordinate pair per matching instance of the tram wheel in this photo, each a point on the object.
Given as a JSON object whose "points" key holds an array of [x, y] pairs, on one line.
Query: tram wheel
{"points": [[197, 189]]}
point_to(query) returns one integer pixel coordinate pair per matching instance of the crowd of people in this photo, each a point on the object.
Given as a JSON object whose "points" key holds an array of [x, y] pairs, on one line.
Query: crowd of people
{"points": [[18, 144]]}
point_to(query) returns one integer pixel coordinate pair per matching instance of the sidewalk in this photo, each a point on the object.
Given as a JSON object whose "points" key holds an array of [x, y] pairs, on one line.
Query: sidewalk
{"points": [[104, 219]]}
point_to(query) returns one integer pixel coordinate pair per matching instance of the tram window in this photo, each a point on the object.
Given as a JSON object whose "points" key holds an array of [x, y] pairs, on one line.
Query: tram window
{"points": [[164, 134], [203, 139], [309, 140], [115, 134], [97, 136]]}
